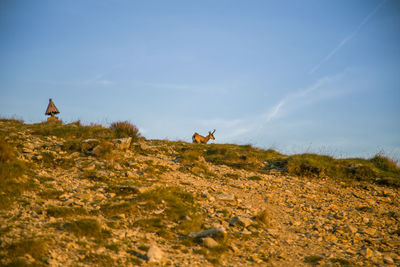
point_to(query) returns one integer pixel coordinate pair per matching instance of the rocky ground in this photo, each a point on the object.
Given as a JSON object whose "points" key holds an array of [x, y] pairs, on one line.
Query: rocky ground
{"points": [[84, 209]]}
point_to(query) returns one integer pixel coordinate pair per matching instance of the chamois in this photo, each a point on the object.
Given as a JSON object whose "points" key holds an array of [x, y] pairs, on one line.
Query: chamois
{"points": [[201, 139]]}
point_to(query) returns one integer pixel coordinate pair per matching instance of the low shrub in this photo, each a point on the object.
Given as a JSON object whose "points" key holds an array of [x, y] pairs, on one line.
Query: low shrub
{"points": [[123, 129], [384, 163], [310, 165]]}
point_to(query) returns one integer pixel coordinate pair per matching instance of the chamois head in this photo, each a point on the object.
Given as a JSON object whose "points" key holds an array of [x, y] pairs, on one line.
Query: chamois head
{"points": [[211, 135]]}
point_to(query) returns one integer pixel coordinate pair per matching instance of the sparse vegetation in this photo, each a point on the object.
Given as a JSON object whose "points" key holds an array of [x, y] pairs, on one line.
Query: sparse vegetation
{"points": [[11, 171], [65, 211], [99, 260], [120, 208], [341, 262], [69, 131], [50, 194], [313, 259], [37, 248], [87, 227], [379, 169], [176, 202], [92, 203]]}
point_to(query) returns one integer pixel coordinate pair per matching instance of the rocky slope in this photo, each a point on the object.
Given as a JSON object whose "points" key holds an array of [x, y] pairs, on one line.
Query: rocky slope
{"points": [[108, 205]]}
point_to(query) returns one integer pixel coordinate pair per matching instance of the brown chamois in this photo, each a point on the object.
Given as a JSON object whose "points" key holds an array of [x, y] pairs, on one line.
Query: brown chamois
{"points": [[201, 139]]}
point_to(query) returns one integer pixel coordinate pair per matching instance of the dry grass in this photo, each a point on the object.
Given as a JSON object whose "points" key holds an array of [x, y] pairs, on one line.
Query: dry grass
{"points": [[11, 172], [88, 227], [7, 153], [179, 212], [35, 247], [264, 217], [69, 131], [126, 208], [123, 129], [65, 211]]}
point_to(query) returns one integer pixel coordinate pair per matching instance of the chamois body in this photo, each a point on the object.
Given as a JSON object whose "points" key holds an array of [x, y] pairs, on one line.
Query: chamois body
{"points": [[199, 139]]}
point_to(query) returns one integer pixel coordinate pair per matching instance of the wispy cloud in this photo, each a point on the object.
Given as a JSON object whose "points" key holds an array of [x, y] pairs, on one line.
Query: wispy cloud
{"points": [[347, 38], [301, 97], [98, 79], [252, 127]]}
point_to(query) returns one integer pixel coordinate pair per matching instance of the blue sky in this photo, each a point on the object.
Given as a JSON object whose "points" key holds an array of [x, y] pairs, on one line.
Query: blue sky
{"points": [[297, 76]]}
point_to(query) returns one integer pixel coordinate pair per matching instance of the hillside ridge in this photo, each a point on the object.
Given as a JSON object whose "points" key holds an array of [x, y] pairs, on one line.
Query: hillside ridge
{"points": [[73, 195]]}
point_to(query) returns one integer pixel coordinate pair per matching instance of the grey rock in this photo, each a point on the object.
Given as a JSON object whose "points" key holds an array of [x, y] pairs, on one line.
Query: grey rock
{"points": [[209, 232]]}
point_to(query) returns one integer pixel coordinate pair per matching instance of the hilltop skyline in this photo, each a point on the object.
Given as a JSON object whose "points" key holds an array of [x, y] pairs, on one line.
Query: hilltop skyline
{"points": [[292, 75]]}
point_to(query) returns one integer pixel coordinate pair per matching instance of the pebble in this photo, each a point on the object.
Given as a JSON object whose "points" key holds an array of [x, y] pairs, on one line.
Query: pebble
{"points": [[352, 229], [368, 253], [154, 254], [388, 259], [210, 242], [226, 197], [240, 220]]}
